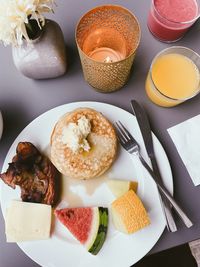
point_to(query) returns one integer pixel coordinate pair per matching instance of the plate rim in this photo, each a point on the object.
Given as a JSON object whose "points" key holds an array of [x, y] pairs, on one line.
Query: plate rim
{"points": [[1, 124]]}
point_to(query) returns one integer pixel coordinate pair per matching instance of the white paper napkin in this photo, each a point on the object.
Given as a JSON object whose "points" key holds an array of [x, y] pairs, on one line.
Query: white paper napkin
{"points": [[186, 137]]}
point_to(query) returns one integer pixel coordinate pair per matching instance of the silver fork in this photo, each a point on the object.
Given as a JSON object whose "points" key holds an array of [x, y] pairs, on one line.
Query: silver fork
{"points": [[130, 144]]}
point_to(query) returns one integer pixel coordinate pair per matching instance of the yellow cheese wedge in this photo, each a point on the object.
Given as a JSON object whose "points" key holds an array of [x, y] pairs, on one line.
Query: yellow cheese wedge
{"points": [[120, 187], [27, 221], [129, 214]]}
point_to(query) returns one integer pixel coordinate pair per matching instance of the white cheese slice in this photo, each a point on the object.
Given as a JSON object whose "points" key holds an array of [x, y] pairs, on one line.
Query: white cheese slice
{"points": [[27, 221]]}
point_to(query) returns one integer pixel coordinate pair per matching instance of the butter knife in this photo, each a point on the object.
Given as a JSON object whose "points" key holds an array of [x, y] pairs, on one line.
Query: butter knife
{"points": [[145, 129]]}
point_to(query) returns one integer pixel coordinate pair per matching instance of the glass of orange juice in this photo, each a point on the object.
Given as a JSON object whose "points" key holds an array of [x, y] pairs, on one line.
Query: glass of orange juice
{"points": [[174, 76]]}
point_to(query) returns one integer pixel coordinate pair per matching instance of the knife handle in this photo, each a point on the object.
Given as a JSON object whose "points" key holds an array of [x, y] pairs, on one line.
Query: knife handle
{"points": [[166, 206], [185, 219], [145, 129]]}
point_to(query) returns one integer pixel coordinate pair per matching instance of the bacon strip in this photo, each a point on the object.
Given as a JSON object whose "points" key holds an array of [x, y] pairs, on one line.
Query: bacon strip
{"points": [[34, 173]]}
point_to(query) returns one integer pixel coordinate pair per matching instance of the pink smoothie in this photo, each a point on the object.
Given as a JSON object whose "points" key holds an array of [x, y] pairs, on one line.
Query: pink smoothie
{"points": [[169, 19]]}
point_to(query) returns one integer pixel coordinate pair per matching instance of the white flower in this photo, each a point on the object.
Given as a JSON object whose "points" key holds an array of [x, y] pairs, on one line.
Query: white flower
{"points": [[15, 13]]}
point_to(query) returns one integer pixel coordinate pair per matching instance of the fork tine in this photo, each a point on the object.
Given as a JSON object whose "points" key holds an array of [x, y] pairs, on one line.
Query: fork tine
{"points": [[123, 131], [120, 136], [126, 132]]}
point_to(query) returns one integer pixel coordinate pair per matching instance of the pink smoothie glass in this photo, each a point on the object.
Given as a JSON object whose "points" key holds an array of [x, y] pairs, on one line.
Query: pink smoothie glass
{"points": [[169, 20]]}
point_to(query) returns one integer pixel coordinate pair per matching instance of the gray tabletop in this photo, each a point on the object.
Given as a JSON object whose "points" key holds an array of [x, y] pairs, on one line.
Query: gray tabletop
{"points": [[22, 100]]}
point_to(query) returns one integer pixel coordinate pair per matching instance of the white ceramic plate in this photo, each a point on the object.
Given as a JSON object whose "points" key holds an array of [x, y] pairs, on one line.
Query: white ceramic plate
{"points": [[119, 250]]}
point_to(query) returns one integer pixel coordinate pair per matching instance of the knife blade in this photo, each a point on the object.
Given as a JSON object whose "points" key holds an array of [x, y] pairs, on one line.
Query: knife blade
{"points": [[145, 129]]}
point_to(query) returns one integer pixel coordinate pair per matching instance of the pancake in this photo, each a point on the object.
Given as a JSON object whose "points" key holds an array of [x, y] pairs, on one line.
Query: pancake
{"points": [[84, 164]]}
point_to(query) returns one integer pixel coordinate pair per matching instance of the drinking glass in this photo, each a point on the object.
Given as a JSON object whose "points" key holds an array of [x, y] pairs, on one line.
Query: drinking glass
{"points": [[166, 29], [165, 96]]}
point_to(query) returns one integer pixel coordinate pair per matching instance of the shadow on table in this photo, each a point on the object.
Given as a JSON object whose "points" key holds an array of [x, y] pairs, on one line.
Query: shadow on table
{"points": [[180, 256]]}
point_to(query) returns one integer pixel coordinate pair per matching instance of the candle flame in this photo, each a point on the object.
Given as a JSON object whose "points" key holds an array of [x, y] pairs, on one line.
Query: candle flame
{"points": [[108, 60]]}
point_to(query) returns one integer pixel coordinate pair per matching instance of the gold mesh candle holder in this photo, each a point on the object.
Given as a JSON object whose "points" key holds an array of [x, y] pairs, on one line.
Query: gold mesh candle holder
{"points": [[111, 30]]}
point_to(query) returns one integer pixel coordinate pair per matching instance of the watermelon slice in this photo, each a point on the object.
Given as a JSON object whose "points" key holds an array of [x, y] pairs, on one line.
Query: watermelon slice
{"points": [[89, 225]]}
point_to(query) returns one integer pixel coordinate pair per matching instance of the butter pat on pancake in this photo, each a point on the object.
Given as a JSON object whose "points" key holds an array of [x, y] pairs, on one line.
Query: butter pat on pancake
{"points": [[102, 142], [75, 135]]}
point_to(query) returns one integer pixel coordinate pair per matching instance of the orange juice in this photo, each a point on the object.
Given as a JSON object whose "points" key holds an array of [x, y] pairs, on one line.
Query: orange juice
{"points": [[173, 78]]}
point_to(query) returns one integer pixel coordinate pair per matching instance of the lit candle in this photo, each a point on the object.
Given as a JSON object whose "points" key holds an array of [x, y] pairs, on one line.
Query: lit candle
{"points": [[107, 60], [107, 38], [106, 55]]}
